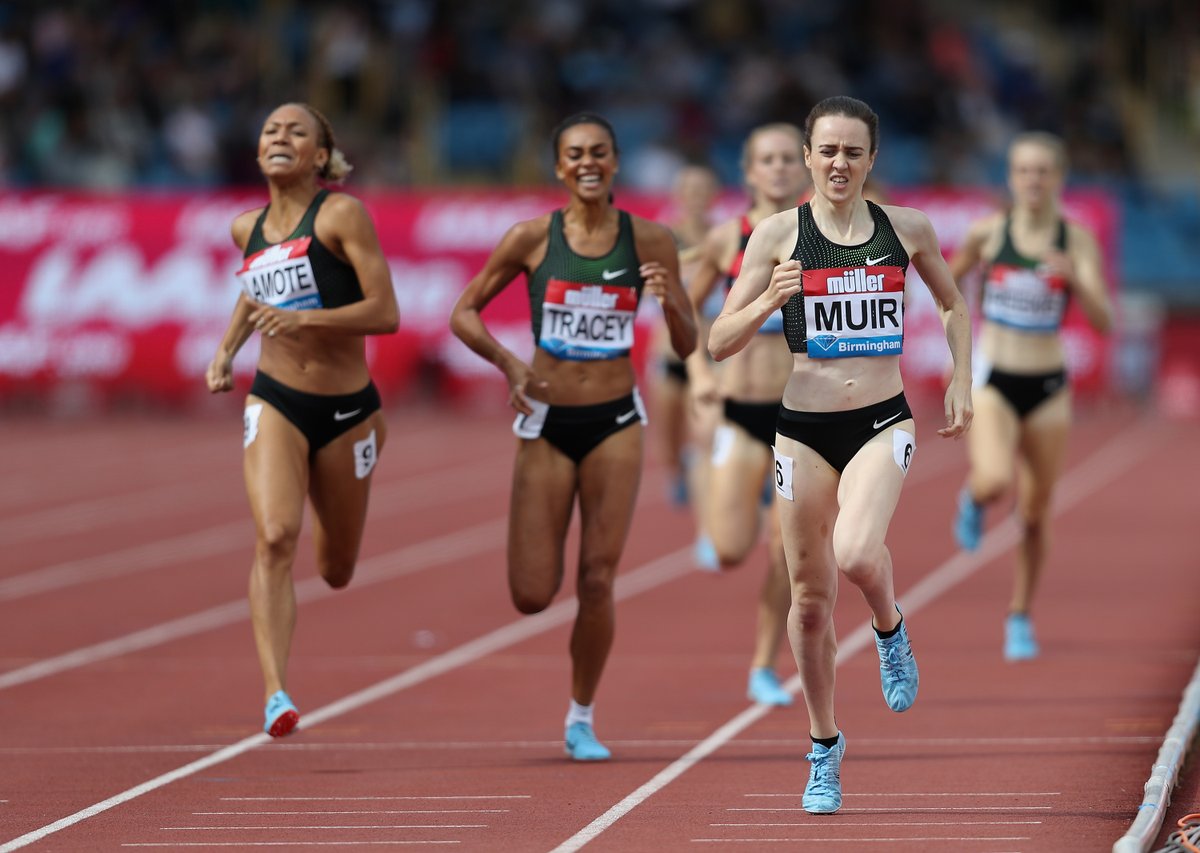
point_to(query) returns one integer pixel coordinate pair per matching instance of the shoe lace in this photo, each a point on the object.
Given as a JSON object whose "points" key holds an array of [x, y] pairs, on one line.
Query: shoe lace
{"points": [[824, 773], [895, 658]]}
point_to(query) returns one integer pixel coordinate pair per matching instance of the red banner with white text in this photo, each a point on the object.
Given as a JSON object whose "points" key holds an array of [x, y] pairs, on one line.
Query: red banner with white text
{"points": [[127, 296]]}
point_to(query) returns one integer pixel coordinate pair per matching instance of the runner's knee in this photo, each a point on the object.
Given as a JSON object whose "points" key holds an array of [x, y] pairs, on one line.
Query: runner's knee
{"points": [[811, 612], [276, 544], [336, 572], [860, 562], [595, 587], [989, 486]]}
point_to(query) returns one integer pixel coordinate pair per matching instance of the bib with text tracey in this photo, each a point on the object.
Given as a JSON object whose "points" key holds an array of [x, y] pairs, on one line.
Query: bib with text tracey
{"points": [[1023, 299], [282, 276], [854, 312], [585, 322]]}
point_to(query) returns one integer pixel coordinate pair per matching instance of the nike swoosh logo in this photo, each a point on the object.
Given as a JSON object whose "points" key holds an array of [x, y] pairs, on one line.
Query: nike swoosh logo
{"points": [[887, 421], [873, 261], [610, 275], [621, 419], [341, 416]]}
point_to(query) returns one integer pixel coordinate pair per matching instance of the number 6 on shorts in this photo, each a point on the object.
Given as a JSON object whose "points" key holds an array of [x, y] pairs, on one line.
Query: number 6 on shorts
{"points": [[783, 474]]}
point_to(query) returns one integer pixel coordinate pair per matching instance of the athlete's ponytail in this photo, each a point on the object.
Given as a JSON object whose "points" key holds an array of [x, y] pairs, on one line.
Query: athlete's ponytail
{"points": [[337, 167]]}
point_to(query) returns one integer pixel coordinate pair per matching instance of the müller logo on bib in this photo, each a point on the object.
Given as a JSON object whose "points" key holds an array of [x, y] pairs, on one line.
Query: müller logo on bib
{"points": [[584, 322], [854, 312], [282, 276]]}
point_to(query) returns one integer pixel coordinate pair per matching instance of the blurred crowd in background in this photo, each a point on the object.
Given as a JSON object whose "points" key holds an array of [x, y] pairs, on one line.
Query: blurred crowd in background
{"points": [[117, 94]]}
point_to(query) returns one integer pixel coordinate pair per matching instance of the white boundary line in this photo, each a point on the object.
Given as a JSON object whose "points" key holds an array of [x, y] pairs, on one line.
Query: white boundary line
{"points": [[647, 577], [1082, 481]]}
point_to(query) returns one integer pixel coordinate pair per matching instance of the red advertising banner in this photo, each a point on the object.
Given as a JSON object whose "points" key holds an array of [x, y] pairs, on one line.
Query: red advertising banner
{"points": [[127, 296]]}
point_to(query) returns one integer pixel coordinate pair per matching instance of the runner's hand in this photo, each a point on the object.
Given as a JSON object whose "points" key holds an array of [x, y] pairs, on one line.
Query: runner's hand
{"points": [[521, 379], [959, 411], [219, 376]]}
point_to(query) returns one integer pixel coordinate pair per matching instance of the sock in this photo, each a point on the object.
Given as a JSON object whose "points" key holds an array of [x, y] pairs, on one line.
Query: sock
{"points": [[827, 742], [579, 713], [883, 635]]}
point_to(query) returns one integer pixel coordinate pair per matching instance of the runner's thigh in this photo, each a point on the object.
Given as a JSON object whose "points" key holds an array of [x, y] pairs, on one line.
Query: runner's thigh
{"points": [[870, 489], [543, 496], [609, 477], [340, 486], [275, 469]]}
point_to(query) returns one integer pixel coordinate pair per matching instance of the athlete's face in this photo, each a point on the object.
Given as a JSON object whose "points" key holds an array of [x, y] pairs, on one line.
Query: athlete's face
{"points": [[290, 144], [1034, 176], [775, 171], [587, 161], [840, 157]]}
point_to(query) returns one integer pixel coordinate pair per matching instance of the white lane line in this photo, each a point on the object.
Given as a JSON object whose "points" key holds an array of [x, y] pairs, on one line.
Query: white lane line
{"points": [[355, 811], [373, 799], [907, 809], [1086, 478], [346, 843], [625, 744], [873, 841], [226, 538], [653, 574], [382, 567], [873, 823], [955, 794], [99, 512], [314, 826]]}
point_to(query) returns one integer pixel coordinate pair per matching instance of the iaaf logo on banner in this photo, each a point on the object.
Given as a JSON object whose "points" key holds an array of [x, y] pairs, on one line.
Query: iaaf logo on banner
{"points": [[69, 286]]}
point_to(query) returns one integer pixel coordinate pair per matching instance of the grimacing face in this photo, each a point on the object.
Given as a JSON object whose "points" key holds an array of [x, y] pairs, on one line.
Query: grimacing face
{"points": [[290, 143], [840, 157]]}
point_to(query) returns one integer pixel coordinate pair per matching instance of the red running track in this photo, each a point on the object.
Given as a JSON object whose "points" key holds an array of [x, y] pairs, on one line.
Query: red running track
{"points": [[432, 712]]}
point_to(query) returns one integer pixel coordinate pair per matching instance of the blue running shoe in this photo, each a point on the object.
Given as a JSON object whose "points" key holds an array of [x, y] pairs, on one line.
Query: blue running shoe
{"points": [[897, 669], [765, 689], [705, 554], [582, 744], [1019, 641], [968, 524], [281, 715], [823, 793]]}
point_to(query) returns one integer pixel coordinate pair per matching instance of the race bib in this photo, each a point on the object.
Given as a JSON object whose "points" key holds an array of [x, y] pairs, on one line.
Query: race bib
{"points": [[281, 276], [587, 322], [904, 445], [250, 416], [783, 475], [722, 445], [365, 456], [1021, 298], [854, 312], [530, 426]]}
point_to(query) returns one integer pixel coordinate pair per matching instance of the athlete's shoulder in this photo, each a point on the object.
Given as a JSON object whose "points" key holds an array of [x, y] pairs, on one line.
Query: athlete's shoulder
{"points": [[243, 225], [643, 228], [778, 225], [1080, 235], [907, 220], [340, 202], [652, 236], [528, 233]]}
